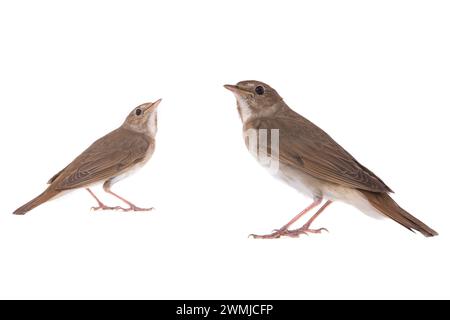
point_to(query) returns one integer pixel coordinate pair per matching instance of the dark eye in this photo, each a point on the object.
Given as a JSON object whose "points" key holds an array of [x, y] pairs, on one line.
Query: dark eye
{"points": [[138, 112], [259, 90]]}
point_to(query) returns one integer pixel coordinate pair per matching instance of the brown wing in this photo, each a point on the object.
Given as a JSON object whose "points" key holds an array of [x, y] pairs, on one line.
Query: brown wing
{"points": [[56, 176], [307, 147], [104, 159]]}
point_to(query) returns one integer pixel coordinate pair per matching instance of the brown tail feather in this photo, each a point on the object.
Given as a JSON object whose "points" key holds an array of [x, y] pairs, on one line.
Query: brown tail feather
{"points": [[385, 204], [40, 199]]}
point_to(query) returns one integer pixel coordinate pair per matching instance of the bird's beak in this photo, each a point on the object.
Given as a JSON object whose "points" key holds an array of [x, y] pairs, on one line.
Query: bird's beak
{"points": [[152, 106], [237, 90], [156, 103], [231, 87]]}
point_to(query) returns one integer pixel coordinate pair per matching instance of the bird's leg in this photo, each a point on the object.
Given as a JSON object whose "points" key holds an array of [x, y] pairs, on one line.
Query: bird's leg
{"points": [[132, 207], [305, 229], [101, 205], [284, 229]]}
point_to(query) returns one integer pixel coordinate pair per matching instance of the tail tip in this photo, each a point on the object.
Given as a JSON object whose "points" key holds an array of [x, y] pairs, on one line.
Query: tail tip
{"points": [[19, 212], [431, 233]]}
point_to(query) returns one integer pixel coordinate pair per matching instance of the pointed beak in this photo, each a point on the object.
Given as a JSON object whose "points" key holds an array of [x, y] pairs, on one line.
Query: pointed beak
{"points": [[156, 103], [232, 87], [152, 106], [238, 90]]}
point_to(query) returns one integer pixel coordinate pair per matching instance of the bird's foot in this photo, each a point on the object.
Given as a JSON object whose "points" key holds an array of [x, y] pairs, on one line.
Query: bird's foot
{"points": [[278, 233], [118, 208], [103, 207], [134, 208], [303, 230]]}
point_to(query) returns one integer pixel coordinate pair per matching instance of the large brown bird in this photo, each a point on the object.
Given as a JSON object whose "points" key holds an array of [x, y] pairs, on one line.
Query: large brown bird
{"points": [[309, 160], [107, 160]]}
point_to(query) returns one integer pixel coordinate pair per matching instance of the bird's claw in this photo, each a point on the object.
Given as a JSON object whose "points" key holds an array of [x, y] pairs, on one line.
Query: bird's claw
{"points": [[118, 208], [278, 233], [136, 209], [103, 207]]}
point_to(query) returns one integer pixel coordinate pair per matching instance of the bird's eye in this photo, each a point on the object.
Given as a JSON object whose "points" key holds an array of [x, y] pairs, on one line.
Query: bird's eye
{"points": [[138, 112], [259, 90]]}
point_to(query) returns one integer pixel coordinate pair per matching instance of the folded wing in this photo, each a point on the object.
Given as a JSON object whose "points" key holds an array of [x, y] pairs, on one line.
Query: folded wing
{"points": [[305, 146], [104, 159]]}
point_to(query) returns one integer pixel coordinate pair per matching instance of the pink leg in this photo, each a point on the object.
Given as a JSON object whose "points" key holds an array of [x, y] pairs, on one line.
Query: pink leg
{"points": [[132, 207], [305, 229], [101, 205], [284, 229]]}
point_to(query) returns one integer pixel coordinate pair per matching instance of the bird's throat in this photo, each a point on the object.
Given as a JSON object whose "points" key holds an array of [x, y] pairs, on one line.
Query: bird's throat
{"points": [[245, 111]]}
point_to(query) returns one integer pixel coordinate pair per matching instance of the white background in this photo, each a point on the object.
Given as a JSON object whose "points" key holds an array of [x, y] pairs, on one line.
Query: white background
{"points": [[374, 74]]}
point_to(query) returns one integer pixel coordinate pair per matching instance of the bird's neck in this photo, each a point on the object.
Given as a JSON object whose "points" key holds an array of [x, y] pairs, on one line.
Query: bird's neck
{"points": [[141, 130], [248, 113], [152, 125], [148, 128]]}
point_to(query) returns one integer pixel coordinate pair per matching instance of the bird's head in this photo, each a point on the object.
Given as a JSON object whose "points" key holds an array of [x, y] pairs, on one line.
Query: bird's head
{"points": [[255, 98], [143, 118]]}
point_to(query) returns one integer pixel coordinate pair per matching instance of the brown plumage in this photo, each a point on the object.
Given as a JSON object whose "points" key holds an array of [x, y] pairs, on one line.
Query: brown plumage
{"points": [[312, 162], [385, 204], [40, 199], [306, 147], [107, 160]]}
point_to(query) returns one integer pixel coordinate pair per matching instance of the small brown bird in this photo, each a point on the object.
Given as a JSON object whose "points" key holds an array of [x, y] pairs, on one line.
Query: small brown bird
{"points": [[309, 160], [108, 160]]}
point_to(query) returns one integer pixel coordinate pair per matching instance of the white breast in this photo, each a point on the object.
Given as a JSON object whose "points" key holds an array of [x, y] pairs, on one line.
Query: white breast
{"points": [[301, 182]]}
